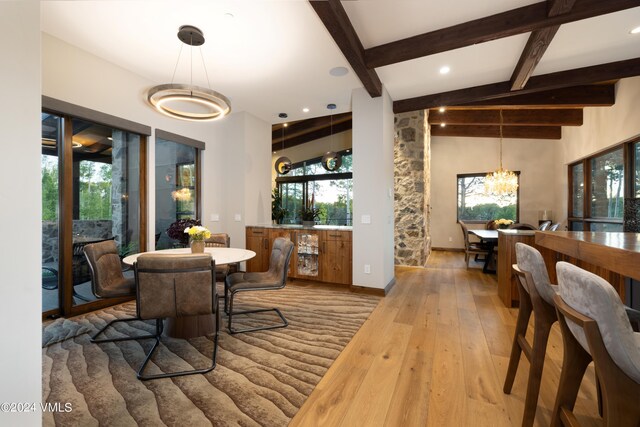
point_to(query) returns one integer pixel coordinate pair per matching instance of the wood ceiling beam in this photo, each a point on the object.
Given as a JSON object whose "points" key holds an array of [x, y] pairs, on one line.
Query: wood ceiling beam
{"points": [[551, 81], [555, 117], [335, 18], [305, 126], [488, 131], [537, 44], [311, 136], [572, 97], [516, 21]]}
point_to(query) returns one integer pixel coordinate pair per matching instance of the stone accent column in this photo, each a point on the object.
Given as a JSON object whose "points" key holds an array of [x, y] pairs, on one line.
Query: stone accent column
{"points": [[119, 186], [412, 154]]}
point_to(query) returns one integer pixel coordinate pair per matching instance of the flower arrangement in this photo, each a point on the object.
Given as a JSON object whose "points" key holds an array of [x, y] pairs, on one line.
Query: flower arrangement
{"points": [[176, 230], [503, 223], [197, 233]]}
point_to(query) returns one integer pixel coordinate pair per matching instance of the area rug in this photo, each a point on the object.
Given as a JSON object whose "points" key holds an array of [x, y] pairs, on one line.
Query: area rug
{"points": [[262, 378]]}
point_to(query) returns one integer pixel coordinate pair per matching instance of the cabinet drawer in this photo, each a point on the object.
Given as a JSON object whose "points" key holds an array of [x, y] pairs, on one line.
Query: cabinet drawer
{"points": [[257, 232], [337, 235]]}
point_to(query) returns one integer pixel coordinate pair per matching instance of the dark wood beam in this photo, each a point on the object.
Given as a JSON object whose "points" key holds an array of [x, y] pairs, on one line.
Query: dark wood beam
{"points": [[561, 79], [335, 18], [516, 21], [487, 131], [537, 44], [305, 126], [538, 117], [311, 136], [572, 97]]}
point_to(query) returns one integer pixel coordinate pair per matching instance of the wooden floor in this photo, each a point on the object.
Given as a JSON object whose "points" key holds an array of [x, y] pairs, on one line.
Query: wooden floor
{"points": [[434, 353]]}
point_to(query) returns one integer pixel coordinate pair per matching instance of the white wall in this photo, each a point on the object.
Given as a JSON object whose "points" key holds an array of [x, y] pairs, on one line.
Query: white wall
{"points": [[535, 159], [603, 127], [20, 292], [373, 136]]}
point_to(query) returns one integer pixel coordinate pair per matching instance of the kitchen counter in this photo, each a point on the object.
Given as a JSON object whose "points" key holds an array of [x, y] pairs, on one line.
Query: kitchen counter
{"points": [[304, 227]]}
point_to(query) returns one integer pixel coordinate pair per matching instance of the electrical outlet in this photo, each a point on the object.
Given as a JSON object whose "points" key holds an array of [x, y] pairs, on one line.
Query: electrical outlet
{"points": [[366, 219], [451, 239], [215, 217], [367, 269], [237, 217]]}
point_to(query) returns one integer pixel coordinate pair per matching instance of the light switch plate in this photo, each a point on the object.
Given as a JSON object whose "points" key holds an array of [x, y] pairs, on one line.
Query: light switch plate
{"points": [[215, 217], [237, 217], [366, 219], [367, 269]]}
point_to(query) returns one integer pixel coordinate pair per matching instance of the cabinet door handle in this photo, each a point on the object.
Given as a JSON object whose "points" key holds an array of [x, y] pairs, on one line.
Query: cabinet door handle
{"points": [[257, 232], [324, 247], [266, 243]]}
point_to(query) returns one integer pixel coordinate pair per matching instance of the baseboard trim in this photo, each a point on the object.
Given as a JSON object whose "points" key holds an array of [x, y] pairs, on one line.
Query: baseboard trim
{"points": [[373, 291], [448, 249], [389, 286]]}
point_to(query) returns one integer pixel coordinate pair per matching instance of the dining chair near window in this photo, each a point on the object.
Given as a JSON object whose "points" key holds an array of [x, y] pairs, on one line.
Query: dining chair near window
{"points": [[594, 326], [274, 278], [107, 281], [544, 225], [221, 240], [536, 295], [471, 248], [175, 286]]}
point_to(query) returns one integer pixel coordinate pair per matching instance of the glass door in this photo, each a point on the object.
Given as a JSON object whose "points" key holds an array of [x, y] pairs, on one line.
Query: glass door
{"points": [[51, 137]]}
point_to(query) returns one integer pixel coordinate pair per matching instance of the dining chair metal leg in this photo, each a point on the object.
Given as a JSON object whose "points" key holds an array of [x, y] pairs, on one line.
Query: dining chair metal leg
{"points": [[105, 327], [231, 313]]}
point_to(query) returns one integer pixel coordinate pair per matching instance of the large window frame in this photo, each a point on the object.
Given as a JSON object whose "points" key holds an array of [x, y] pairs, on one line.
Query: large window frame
{"points": [[482, 175], [308, 180], [67, 112], [629, 169]]}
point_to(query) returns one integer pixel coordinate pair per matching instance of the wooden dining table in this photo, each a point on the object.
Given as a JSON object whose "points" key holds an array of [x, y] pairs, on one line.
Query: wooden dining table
{"points": [[186, 327]]}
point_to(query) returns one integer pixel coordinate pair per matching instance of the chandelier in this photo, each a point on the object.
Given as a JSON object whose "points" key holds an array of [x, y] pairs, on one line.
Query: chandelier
{"points": [[502, 181], [187, 101]]}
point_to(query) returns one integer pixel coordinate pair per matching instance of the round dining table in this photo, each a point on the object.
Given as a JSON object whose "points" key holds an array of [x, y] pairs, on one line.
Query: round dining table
{"points": [[186, 327]]}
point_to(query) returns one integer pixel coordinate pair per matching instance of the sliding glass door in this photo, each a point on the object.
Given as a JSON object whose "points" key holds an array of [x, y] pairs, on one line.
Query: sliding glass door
{"points": [[91, 192]]}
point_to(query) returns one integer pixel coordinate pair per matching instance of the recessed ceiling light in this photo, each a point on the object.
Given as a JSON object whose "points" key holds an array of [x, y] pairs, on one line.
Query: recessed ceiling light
{"points": [[442, 109], [228, 15], [445, 69], [442, 125], [285, 125], [338, 71], [636, 30], [305, 110]]}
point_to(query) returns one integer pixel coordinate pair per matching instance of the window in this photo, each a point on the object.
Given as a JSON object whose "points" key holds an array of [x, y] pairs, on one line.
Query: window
{"points": [[331, 191], [177, 186], [636, 171], [474, 204], [597, 190]]}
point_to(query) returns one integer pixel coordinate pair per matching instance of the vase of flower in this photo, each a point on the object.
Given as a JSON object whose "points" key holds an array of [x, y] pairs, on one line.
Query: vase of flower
{"points": [[503, 223], [197, 234]]}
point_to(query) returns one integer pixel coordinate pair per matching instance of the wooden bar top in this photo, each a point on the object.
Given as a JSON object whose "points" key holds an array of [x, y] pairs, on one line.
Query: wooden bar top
{"points": [[617, 252]]}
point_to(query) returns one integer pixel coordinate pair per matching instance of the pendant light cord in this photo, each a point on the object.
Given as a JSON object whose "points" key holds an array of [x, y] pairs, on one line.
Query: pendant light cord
{"points": [[177, 62], [500, 139], [205, 68]]}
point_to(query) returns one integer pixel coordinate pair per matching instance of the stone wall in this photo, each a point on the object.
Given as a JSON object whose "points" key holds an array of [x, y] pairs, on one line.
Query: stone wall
{"points": [[81, 227], [412, 153]]}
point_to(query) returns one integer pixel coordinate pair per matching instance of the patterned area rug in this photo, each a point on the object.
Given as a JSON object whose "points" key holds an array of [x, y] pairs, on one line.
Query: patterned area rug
{"points": [[262, 378]]}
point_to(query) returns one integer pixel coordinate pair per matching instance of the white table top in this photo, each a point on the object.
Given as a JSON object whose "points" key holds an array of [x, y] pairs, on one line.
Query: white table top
{"points": [[485, 234], [220, 255]]}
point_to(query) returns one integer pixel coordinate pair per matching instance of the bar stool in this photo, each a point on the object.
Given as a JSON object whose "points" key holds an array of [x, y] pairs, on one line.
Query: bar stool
{"points": [[536, 294], [595, 326]]}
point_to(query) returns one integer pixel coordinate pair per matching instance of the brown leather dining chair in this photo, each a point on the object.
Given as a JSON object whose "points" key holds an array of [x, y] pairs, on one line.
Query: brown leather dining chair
{"points": [[175, 286], [274, 278], [221, 240], [107, 281]]}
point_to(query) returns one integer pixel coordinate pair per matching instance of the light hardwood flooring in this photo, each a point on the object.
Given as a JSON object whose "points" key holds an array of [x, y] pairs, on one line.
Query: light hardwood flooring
{"points": [[435, 353]]}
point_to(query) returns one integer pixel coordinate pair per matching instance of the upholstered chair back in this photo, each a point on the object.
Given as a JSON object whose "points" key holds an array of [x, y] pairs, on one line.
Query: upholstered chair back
{"points": [[465, 233], [219, 240], [594, 297], [107, 279], [280, 257], [530, 259], [175, 285]]}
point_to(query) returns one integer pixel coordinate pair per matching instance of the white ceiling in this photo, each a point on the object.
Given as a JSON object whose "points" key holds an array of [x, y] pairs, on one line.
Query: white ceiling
{"points": [[275, 56]]}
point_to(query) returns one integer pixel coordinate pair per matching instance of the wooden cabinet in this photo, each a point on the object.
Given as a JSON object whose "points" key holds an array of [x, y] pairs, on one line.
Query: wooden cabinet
{"points": [[336, 257], [258, 241], [320, 255]]}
